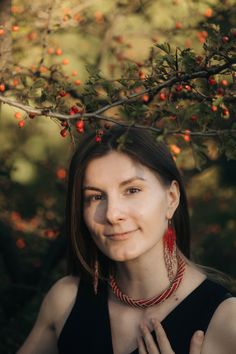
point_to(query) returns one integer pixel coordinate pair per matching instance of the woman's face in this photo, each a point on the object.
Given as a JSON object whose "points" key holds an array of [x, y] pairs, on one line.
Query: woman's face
{"points": [[126, 207]]}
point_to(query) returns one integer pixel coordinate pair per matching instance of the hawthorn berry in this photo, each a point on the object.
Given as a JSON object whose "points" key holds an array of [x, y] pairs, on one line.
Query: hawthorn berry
{"points": [[145, 98], [224, 82], [187, 136], [194, 117], [73, 110], [225, 39], [211, 81], [80, 126], [208, 12], [178, 25], [61, 173], [32, 115], [17, 115], [64, 123], [74, 73], [63, 132], [107, 126], [77, 82], [65, 61], [2, 87], [21, 123], [162, 96], [50, 50], [178, 88], [141, 75], [214, 108], [220, 91], [15, 28], [225, 113], [98, 139], [100, 132], [62, 93], [2, 31], [58, 51], [188, 88]]}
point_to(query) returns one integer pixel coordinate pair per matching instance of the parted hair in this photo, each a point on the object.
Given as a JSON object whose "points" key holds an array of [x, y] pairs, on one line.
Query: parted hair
{"points": [[140, 145]]}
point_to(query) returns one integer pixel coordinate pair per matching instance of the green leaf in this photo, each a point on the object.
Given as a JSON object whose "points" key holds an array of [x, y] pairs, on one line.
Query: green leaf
{"points": [[39, 83], [165, 47]]}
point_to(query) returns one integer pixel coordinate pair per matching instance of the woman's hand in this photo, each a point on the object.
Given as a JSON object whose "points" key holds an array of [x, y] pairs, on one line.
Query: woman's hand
{"points": [[147, 345]]}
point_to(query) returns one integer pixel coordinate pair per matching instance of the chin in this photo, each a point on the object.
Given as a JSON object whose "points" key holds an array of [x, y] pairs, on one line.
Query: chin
{"points": [[122, 256]]}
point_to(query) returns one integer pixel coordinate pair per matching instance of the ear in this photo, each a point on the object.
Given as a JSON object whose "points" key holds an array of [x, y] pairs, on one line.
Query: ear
{"points": [[173, 197]]}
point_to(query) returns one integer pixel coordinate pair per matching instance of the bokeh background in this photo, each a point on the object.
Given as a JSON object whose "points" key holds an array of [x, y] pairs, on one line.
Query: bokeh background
{"points": [[33, 160]]}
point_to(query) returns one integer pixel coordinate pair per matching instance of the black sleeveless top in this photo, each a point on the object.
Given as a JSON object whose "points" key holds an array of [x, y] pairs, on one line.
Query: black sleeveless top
{"points": [[87, 329]]}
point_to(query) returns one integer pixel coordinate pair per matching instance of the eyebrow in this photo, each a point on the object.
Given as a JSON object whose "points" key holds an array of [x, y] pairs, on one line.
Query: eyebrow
{"points": [[122, 184]]}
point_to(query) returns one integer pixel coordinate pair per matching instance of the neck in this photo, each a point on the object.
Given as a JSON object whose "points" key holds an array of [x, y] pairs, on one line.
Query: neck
{"points": [[143, 277]]}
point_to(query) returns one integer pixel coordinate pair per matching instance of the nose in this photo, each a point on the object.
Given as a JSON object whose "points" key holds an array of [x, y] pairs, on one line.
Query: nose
{"points": [[114, 211]]}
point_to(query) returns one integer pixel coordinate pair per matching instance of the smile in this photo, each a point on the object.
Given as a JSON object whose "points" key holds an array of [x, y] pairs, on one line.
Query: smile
{"points": [[121, 236]]}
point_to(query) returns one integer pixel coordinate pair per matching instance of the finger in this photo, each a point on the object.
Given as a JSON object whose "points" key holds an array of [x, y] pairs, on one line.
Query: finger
{"points": [[196, 342], [148, 340], [141, 346], [162, 339]]}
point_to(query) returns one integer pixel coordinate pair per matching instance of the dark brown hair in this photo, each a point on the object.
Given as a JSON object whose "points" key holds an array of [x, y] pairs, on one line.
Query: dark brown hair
{"points": [[141, 146]]}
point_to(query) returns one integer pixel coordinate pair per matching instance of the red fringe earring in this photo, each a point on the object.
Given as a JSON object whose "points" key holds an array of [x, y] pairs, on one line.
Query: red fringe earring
{"points": [[169, 241]]}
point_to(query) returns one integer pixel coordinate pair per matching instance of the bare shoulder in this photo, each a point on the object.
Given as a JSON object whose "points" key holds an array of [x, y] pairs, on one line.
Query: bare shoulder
{"points": [[64, 290], [221, 334], [53, 313], [60, 299]]}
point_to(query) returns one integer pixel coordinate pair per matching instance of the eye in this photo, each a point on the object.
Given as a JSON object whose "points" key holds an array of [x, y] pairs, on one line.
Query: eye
{"points": [[93, 198], [133, 190]]}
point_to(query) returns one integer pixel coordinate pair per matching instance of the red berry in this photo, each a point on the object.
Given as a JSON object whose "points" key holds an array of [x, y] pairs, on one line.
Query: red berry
{"points": [[141, 75], [162, 96], [145, 98], [225, 112], [17, 115], [188, 88], [64, 123], [62, 93], [179, 88], [220, 91], [214, 108], [225, 39], [98, 139], [58, 51], [15, 28], [32, 115], [194, 117], [224, 82], [211, 81], [80, 126], [2, 87], [63, 132], [21, 123], [178, 25], [73, 110]]}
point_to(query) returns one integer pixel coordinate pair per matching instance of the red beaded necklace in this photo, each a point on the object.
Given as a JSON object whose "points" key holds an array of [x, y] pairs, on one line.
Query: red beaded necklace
{"points": [[142, 303]]}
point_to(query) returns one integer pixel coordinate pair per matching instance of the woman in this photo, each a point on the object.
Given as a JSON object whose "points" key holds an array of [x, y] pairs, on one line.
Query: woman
{"points": [[133, 288]]}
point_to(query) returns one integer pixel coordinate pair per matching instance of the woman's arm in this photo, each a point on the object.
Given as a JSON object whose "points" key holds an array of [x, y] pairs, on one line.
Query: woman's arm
{"points": [[53, 313], [220, 337]]}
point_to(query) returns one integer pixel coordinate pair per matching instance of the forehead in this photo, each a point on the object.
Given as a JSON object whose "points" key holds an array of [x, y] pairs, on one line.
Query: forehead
{"points": [[114, 166]]}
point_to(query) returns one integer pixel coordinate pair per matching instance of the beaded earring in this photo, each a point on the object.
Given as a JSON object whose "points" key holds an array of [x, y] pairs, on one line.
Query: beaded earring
{"points": [[169, 242], [95, 277]]}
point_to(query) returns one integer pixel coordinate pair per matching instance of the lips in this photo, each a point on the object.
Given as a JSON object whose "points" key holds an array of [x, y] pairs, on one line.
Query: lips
{"points": [[121, 235]]}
